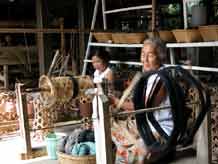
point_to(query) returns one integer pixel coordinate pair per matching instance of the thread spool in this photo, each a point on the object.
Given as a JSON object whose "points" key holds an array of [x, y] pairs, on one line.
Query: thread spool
{"points": [[63, 88]]}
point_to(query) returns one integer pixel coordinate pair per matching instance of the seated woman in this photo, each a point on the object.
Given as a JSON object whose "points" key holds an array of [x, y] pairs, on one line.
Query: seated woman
{"points": [[100, 62], [131, 148]]}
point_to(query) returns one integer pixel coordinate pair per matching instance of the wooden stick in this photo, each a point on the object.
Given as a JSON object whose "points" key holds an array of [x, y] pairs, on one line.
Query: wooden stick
{"points": [[142, 110], [53, 62], [23, 120], [37, 90], [64, 66], [129, 89]]}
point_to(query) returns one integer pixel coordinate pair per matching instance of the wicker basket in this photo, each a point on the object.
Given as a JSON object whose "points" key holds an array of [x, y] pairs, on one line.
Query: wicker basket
{"points": [[187, 35], [103, 37], [129, 38], [69, 159], [167, 36], [209, 33], [153, 34]]}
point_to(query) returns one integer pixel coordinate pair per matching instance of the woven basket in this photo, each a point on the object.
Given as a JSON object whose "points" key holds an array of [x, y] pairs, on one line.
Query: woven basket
{"points": [[129, 38], [57, 90], [69, 159], [103, 37], [209, 33], [187, 35], [153, 34], [166, 36]]}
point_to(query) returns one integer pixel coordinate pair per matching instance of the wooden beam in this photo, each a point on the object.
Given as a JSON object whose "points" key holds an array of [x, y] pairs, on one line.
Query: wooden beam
{"points": [[23, 122], [62, 35], [62, 45], [40, 37], [95, 12], [153, 20], [209, 136], [43, 30], [101, 122], [5, 74], [202, 143], [17, 23], [81, 35], [185, 16]]}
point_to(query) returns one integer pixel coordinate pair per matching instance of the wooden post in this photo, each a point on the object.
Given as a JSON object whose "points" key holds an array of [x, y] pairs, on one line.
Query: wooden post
{"points": [[40, 37], [90, 35], [172, 57], [81, 34], [62, 35], [23, 122], [101, 122], [103, 7], [62, 45], [203, 148], [209, 137], [5, 75], [185, 16], [153, 17]]}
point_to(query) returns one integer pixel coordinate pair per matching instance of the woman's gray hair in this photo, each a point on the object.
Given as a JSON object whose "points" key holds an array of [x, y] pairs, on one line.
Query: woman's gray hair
{"points": [[159, 46]]}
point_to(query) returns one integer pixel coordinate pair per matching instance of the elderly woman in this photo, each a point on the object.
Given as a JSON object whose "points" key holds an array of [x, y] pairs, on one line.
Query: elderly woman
{"points": [[130, 146], [153, 54]]}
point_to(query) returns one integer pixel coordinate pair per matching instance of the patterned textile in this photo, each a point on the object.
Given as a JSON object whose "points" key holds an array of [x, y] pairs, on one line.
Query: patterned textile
{"points": [[214, 122], [130, 147]]}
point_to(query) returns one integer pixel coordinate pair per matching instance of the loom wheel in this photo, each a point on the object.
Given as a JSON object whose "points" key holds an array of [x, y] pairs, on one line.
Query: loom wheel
{"points": [[64, 88], [85, 82], [48, 96]]}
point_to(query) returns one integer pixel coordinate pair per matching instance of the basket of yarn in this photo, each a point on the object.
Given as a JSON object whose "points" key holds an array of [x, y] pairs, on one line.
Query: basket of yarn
{"points": [[77, 148], [69, 159]]}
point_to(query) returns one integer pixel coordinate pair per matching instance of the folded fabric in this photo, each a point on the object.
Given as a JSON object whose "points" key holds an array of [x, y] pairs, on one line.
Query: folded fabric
{"points": [[84, 148]]}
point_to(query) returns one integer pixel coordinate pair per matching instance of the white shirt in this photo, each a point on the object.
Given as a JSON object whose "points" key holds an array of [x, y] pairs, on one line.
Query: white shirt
{"points": [[164, 117], [99, 76]]}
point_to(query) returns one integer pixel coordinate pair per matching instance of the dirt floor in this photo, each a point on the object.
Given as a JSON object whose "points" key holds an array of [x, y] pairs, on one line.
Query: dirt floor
{"points": [[10, 149]]}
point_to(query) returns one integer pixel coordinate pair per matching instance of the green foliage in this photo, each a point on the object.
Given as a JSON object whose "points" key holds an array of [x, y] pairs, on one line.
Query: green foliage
{"points": [[203, 2], [173, 9]]}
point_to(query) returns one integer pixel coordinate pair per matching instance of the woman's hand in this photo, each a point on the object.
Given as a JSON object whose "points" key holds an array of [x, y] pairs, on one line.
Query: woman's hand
{"points": [[113, 99], [126, 105]]}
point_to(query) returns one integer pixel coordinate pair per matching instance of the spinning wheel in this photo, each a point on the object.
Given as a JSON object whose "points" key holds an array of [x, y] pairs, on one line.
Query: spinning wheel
{"points": [[48, 96], [180, 85], [84, 83], [62, 89]]}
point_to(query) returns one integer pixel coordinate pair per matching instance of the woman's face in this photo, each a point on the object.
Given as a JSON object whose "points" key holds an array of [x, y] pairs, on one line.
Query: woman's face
{"points": [[149, 58], [98, 63]]}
